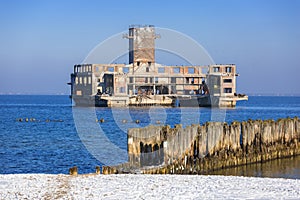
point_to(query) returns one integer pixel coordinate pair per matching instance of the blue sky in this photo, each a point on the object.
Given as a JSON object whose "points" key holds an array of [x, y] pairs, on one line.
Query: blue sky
{"points": [[40, 41]]}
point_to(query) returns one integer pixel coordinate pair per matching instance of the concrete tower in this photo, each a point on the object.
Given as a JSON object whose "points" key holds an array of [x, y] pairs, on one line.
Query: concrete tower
{"points": [[141, 44]]}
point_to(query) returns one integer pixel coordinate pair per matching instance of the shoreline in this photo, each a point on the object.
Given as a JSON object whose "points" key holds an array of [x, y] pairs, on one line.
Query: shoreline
{"points": [[132, 186]]}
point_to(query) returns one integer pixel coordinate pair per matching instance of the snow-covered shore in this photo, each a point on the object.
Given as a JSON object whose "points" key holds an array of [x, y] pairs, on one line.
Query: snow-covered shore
{"points": [[44, 186]]}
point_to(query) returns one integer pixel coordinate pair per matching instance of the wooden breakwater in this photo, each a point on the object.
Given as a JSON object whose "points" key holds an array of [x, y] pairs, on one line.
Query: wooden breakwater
{"points": [[198, 149]]}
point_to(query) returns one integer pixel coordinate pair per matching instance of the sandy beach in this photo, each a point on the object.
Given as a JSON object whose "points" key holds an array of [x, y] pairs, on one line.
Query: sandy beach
{"points": [[45, 186]]}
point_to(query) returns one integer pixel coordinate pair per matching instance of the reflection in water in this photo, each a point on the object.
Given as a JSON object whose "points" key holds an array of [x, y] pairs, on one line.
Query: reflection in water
{"points": [[280, 168]]}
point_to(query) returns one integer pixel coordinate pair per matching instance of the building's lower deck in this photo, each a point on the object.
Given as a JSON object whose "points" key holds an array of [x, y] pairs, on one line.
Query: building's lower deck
{"points": [[163, 100]]}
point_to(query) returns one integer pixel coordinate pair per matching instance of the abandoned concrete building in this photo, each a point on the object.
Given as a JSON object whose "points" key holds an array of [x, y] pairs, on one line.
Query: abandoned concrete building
{"points": [[143, 82]]}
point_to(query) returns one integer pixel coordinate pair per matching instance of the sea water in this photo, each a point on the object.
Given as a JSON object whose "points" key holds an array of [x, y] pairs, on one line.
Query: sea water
{"points": [[46, 134]]}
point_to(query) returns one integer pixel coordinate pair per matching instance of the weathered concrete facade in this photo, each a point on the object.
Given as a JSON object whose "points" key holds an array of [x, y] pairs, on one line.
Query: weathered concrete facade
{"points": [[198, 149], [145, 82]]}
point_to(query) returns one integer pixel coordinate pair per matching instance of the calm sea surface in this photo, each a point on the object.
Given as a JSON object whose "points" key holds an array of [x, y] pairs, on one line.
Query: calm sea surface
{"points": [[54, 137]]}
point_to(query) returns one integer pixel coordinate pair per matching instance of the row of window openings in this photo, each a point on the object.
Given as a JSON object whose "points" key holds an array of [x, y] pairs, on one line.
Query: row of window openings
{"points": [[227, 69], [176, 70], [147, 80], [112, 69], [85, 80], [173, 80], [160, 70], [84, 69], [150, 80], [226, 90]]}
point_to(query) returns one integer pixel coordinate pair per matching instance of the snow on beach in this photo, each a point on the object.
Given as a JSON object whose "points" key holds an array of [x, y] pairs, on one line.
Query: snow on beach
{"points": [[44, 186]]}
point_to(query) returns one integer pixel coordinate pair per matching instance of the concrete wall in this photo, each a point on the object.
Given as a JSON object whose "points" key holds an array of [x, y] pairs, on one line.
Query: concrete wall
{"points": [[198, 149]]}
